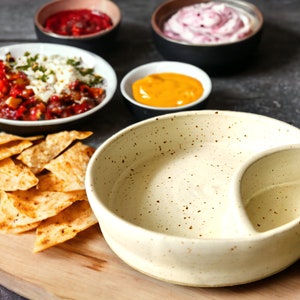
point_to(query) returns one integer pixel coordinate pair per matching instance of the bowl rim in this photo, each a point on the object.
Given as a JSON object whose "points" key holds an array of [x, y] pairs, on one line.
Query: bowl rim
{"points": [[62, 49], [256, 12], [83, 37], [205, 81]]}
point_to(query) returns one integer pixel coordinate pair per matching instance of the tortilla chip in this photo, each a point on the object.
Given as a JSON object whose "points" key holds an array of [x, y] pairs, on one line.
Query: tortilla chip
{"points": [[50, 182], [64, 226], [15, 176], [37, 156], [42, 205], [71, 165], [53, 202], [6, 138], [17, 229], [11, 220], [13, 148]]}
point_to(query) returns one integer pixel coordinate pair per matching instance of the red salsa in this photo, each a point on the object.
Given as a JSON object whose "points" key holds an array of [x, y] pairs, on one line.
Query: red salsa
{"points": [[78, 22], [19, 102]]}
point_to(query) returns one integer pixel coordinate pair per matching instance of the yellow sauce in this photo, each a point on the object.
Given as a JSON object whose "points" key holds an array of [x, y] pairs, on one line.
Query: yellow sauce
{"points": [[167, 90]]}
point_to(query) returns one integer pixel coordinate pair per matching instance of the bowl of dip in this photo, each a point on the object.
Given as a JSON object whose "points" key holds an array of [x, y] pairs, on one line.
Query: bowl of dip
{"points": [[163, 87], [90, 24], [168, 197], [218, 36], [47, 87]]}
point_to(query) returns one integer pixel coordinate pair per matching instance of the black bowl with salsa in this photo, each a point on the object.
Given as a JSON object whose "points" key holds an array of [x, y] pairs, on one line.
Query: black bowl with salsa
{"points": [[91, 24]]}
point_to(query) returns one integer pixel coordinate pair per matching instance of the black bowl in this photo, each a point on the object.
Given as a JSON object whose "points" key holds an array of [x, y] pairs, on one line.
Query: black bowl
{"points": [[100, 42], [213, 58]]}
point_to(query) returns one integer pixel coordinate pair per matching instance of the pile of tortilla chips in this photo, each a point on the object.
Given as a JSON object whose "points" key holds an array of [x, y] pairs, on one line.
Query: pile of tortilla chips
{"points": [[42, 186]]}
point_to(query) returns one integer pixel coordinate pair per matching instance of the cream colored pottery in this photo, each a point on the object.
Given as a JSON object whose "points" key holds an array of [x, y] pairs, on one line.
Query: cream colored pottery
{"points": [[167, 194]]}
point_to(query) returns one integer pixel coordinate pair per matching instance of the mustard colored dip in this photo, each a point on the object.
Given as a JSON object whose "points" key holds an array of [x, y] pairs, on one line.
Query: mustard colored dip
{"points": [[167, 90]]}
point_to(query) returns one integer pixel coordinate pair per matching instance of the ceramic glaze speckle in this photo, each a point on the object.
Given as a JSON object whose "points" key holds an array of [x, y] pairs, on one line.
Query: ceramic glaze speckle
{"points": [[274, 207], [170, 193], [172, 204]]}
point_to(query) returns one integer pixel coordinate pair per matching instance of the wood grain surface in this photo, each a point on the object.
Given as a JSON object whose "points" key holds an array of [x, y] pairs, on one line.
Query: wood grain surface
{"points": [[86, 268]]}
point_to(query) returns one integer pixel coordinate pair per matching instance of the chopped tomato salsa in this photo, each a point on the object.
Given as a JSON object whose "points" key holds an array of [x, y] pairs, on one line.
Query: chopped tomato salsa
{"points": [[19, 101], [78, 22]]}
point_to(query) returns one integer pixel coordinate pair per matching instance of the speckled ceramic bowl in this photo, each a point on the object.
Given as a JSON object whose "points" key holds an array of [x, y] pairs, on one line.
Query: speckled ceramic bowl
{"points": [[100, 42], [142, 111], [166, 195], [215, 58]]}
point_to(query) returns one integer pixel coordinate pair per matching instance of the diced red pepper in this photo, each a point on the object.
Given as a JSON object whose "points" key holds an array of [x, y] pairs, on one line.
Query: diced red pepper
{"points": [[18, 101]]}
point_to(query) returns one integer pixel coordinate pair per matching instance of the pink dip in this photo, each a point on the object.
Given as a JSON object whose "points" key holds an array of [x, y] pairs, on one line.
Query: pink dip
{"points": [[208, 23]]}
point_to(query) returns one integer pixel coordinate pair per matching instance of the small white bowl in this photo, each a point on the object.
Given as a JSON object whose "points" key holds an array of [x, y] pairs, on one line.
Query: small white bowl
{"points": [[142, 111], [91, 60], [167, 197]]}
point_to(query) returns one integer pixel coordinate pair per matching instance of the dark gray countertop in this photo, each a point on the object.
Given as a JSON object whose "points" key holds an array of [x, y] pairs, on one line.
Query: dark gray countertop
{"points": [[270, 86]]}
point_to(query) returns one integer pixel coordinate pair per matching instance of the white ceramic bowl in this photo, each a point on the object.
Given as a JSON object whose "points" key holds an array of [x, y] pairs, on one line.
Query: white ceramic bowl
{"points": [[91, 60], [142, 111], [165, 193]]}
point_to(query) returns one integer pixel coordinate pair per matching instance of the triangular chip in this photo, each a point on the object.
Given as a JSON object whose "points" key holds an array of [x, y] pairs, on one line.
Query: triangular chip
{"points": [[15, 176], [13, 148], [6, 138], [11, 220], [71, 165], [37, 156], [44, 186], [42, 205], [64, 226], [50, 182]]}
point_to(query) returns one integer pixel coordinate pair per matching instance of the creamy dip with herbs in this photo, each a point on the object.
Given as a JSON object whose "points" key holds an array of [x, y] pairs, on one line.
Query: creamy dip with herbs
{"points": [[52, 75]]}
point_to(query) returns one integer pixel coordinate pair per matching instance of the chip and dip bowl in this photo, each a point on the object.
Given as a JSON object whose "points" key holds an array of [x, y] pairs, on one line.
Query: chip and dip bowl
{"points": [[171, 197]]}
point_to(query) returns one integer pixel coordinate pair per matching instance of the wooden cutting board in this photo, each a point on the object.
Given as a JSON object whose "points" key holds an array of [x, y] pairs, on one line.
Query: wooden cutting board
{"points": [[86, 268]]}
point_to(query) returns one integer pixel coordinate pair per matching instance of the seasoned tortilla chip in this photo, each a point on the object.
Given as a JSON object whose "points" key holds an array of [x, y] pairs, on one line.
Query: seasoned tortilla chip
{"points": [[50, 182], [6, 138], [42, 205], [15, 176], [11, 220], [64, 226], [37, 156], [44, 186], [71, 165], [13, 148]]}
